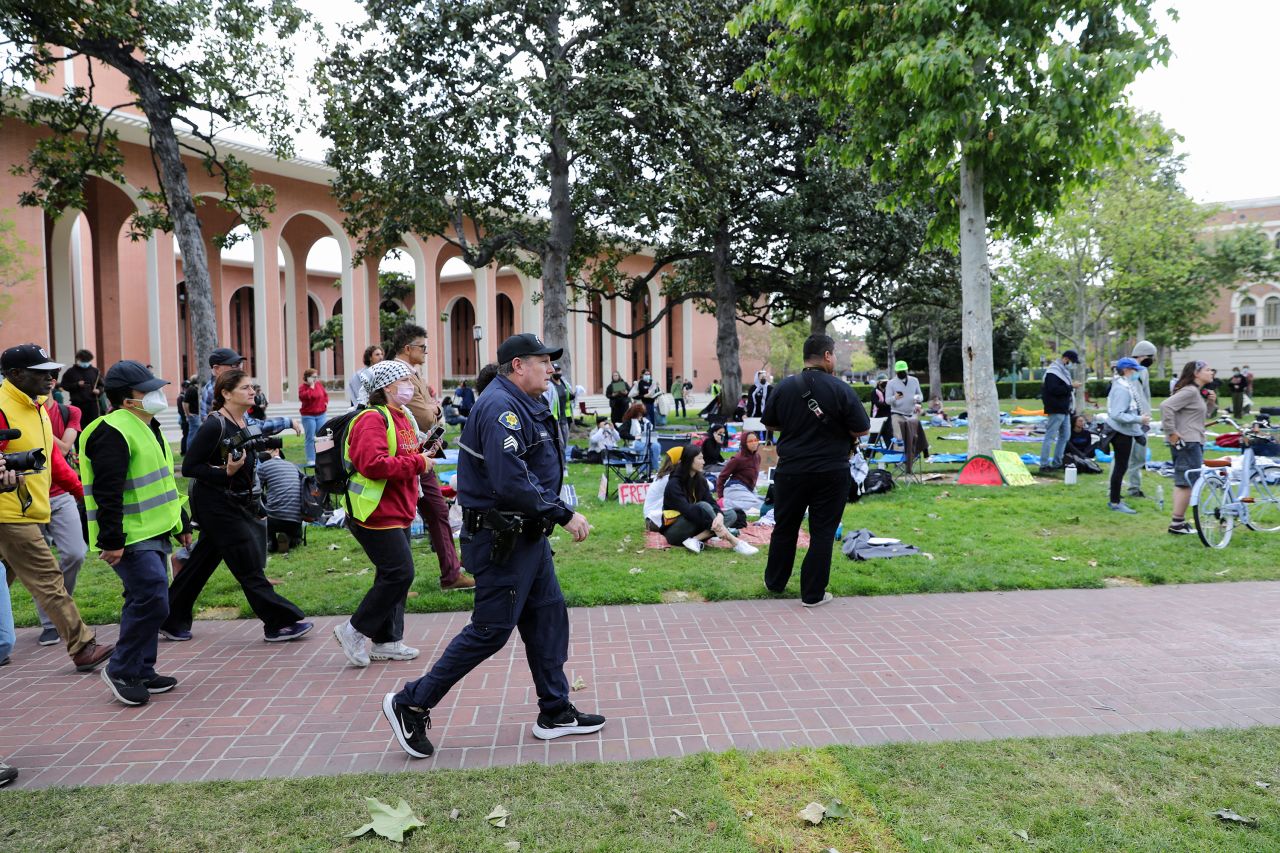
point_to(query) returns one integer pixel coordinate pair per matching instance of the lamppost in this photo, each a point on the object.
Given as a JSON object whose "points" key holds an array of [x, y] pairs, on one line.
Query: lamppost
{"points": [[477, 332], [1015, 374]]}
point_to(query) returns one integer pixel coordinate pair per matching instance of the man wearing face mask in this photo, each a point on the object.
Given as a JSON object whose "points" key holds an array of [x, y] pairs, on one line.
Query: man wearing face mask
{"points": [[903, 395], [135, 513], [83, 383], [646, 391], [1144, 353]]}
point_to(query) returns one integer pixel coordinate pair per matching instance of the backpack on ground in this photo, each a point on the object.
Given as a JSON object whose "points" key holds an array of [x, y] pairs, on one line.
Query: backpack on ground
{"points": [[878, 482], [315, 500], [333, 474]]}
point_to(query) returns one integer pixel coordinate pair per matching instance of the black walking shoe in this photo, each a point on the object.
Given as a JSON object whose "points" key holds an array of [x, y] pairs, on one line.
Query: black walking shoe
{"points": [[409, 725], [7, 773], [49, 637], [570, 721], [160, 683], [128, 692], [296, 631]]}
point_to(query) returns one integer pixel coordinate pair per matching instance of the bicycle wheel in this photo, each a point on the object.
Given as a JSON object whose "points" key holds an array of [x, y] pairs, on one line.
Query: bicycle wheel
{"points": [[1264, 512], [1210, 497]]}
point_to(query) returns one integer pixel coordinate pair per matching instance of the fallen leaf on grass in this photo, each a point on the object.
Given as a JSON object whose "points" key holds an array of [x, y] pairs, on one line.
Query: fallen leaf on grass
{"points": [[388, 822], [1059, 559], [926, 555], [578, 683], [838, 809], [676, 815], [455, 814], [346, 559], [933, 515], [1263, 784], [635, 570], [333, 546], [512, 845], [918, 529], [498, 817], [1093, 564], [748, 814], [1022, 833], [814, 813], [1228, 816], [1221, 573]]}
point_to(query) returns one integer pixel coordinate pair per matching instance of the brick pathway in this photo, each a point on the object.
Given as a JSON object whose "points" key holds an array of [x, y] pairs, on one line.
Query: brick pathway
{"points": [[674, 680]]}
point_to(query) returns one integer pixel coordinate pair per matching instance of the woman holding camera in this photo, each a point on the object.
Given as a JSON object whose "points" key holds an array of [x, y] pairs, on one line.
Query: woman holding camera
{"points": [[383, 453], [228, 508]]}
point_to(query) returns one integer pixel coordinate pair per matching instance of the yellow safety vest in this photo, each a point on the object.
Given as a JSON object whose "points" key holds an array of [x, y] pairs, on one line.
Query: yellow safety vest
{"points": [[363, 493], [152, 504]]}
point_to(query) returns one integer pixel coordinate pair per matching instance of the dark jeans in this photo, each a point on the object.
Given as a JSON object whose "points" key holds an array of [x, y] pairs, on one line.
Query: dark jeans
{"points": [[824, 496], [679, 408], [146, 604], [435, 517], [1121, 447], [522, 594], [227, 533], [380, 614], [292, 529], [698, 519]]}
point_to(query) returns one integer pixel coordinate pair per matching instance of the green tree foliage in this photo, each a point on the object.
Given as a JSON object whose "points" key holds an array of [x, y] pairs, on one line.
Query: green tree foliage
{"points": [[15, 262], [987, 110], [518, 130], [193, 67]]}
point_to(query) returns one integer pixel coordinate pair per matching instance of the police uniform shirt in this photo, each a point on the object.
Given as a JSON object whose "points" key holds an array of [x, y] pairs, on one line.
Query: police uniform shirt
{"points": [[806, 445], [510, 455]]}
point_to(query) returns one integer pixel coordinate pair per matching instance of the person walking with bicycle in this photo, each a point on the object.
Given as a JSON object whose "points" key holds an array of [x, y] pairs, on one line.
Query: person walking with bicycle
{"points": [[1182, 417]]}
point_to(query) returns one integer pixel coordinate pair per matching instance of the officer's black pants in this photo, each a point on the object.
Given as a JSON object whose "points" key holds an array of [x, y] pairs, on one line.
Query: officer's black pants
{"points": [[380, 615], [522, 594], [824, 496], [227, 533]]}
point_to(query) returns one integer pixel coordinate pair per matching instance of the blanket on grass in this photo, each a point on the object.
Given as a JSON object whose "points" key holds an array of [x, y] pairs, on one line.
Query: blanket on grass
{"points": [[754, 534]]}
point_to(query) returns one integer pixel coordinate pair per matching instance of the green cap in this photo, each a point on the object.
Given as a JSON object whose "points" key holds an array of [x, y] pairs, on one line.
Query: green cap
{"points": [[900, 365]]}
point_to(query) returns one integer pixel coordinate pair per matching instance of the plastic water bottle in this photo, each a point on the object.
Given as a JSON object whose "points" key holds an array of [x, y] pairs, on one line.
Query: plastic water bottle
{"points": [[1160, 495], [1069, 474], [840, 531], [416, 529]]}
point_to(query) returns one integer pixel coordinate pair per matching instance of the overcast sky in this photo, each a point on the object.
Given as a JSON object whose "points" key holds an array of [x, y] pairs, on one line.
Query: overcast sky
{"points": [[1217, 92]]}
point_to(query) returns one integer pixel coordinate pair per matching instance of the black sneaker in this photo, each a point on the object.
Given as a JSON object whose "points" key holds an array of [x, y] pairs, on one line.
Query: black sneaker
{"points": [[409, 726], [296, 631], [49, 637], [570, 721], [160, 683], [1181, 529], [7, 774], [128, 692], [1137, 493]]}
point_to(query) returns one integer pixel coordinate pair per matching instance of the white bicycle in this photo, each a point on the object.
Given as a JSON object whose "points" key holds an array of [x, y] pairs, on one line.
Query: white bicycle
{"points": [[1223, 495]]}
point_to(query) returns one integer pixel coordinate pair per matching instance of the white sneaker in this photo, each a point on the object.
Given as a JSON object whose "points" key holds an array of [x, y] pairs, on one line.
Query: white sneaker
{"points": [[693, 545], [746, 548], [392, 651], [826, 597], [353, 644]]}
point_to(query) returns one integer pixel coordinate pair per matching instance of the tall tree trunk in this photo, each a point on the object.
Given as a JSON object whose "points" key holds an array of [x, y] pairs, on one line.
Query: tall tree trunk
{"points": [[818, 318], [727, 351], [886, 325], [555, 260], [976, 328], [186, 224], [935, 362]]}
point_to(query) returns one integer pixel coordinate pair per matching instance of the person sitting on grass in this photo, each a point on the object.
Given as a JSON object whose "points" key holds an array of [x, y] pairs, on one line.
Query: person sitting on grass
{"points": [[655, 497], [690, 515], [712, 443], [1080, 444], [282, 499], [602, 439], [937, 416], [452, 415], [737, 481]]}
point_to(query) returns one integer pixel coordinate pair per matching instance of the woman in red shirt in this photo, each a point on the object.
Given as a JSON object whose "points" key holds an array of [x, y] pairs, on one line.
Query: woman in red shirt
{"points": [[314, 402], [383, 532], [736, 484]]}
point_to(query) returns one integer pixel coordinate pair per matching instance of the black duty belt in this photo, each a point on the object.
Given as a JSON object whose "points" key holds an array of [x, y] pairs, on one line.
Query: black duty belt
{"points": [[475, 520]]}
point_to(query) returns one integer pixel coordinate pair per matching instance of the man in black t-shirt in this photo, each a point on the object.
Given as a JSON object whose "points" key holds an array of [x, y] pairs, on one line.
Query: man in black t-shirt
{"points": [[83, 384], [820, 419]]}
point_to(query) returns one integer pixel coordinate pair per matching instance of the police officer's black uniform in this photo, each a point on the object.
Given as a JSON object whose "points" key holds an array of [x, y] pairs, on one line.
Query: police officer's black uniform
{"points": [[817, 415], [510, 469]]}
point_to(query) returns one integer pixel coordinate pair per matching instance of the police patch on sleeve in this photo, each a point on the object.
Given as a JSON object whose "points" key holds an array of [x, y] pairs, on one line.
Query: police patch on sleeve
{"points": [[509, 420], [510, 444]]}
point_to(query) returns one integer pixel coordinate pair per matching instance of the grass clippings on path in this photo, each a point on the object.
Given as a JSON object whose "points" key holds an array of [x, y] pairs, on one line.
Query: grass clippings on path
{"points": [[1144, 792]]}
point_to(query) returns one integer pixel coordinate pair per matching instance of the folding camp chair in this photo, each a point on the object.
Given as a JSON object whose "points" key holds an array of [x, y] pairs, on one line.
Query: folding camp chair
{"points": [[626, 466]]}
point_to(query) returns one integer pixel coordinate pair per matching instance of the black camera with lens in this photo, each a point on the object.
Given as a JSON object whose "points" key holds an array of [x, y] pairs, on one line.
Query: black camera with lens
{"points": [[249, 439], [25, 461]]}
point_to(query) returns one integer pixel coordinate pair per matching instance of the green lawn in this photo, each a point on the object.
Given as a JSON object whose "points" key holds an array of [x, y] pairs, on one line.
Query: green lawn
{"points": [[1145, 792], [980, 538]]}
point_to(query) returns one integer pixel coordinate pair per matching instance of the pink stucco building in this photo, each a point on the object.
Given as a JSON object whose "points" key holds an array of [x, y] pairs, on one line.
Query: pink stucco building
{"points": [[90, 286]]}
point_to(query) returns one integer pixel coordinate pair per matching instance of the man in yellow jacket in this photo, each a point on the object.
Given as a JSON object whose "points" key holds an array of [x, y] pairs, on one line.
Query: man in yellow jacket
{"points": [[29, 375]]}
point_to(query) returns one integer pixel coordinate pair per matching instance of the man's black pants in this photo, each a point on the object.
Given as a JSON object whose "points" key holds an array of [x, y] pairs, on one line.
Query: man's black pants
{"points": [[824, 496]]}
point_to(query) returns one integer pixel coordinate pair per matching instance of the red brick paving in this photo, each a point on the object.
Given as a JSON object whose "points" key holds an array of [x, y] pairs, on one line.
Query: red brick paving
{"points": [[674, 680]]}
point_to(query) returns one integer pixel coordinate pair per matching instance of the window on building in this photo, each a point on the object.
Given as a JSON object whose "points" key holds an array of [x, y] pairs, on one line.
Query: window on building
{"points": [[1271, 312], [1278, 241], [1248, 312]]}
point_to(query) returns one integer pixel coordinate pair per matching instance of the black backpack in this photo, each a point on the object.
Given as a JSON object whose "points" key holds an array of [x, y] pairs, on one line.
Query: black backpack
{"points": [[878, 482], [315, 500], [333, 475]]}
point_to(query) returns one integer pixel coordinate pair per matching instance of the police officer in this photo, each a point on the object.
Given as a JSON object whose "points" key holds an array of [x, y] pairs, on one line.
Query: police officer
{"points": [[820, 419], [510, 469], [135, 511]]}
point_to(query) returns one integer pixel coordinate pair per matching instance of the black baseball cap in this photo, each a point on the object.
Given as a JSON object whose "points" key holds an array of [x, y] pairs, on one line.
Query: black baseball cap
{"points": [[556, 366], [132, 374], [29, 356], [225, 355], [1072, 356], [518, 346]]}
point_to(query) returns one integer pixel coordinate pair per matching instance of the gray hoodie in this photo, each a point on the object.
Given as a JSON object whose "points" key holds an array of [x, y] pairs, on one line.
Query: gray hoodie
{"points": [[1124, 407]]}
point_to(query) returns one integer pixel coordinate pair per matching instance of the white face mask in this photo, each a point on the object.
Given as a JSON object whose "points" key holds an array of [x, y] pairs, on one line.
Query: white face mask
{"points": [[154, 402]]}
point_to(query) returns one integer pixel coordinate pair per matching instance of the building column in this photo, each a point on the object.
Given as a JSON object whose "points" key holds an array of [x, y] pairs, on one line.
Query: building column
{"points": [[267, 311], [486, 279], [581, 365], [606, 343], [658, 337], [296, 305], [622, 346]]}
